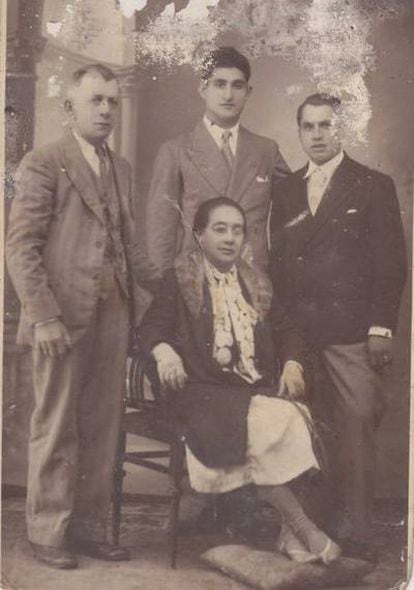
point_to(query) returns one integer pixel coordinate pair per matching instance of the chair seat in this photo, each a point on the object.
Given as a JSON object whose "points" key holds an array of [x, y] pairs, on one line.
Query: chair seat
{"points": [[148, 423]]}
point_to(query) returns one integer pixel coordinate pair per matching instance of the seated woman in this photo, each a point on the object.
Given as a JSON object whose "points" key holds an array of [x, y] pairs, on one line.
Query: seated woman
{"points": [[211, 330]]}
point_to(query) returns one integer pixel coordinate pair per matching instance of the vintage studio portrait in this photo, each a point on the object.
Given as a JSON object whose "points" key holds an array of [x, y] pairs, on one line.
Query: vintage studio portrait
{"points": [[207, 294]]}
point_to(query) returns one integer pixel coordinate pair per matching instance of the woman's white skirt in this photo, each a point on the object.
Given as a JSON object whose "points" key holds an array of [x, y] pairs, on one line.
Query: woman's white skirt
{"points": [[279, 449]]}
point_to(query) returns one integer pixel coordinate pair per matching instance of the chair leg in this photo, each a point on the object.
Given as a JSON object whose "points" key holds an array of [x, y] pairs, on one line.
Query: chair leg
{"points": [[119, 474], [176, 475]]}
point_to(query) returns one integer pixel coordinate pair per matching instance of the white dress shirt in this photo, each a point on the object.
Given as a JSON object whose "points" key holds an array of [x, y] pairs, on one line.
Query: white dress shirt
{"points": [[88, 152], [319, 178], [216, 133]]}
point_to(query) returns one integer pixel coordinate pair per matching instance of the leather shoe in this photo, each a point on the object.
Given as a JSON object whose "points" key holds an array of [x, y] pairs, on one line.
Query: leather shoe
{"points": [[104, 551], [56, 557]]}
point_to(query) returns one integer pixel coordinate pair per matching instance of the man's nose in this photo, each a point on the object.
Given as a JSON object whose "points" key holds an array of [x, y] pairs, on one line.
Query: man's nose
{"points": [[229, 237], [228, 92], [104, 107], [316, 132]]}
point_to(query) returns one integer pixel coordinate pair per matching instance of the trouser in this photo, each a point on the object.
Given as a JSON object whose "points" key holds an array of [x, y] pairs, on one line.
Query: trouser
{"points": [[351, 402], [74, 429]]}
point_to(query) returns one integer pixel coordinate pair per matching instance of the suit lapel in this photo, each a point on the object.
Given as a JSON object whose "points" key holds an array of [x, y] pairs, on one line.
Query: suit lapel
{"points": [[207, 158], [339, 189], [247, 163], [81, 175]]}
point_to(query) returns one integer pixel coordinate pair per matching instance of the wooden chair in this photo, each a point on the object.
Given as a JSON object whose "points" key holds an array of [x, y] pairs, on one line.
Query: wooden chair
{"points": [[147, 414]]}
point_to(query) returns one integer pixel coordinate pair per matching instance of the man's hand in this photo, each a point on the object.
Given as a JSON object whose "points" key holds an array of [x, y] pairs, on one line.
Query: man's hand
{"points": [[52, 338], [170, 367], [379, 351], [292, 379]]}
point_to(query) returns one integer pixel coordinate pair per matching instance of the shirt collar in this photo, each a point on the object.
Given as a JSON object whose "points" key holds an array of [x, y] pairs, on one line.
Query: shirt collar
{"points": [[87, 148], [328, 168], [216, 131]]}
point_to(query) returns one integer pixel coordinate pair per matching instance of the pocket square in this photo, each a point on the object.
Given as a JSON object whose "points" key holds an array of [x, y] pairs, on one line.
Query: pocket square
{"points": [[262, 179], [352, 211]]}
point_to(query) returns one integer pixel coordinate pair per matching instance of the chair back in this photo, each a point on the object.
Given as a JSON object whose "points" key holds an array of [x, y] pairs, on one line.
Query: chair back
{"points": [[143, 391]]}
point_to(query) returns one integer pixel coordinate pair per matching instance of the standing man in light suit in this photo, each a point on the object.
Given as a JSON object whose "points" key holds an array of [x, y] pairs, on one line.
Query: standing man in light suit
{"points": [[72, 260], [219, 157], [339, 264]]}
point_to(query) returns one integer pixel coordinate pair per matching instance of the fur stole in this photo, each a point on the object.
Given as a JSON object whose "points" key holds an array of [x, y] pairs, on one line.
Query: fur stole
{"points": [[190, 273]]}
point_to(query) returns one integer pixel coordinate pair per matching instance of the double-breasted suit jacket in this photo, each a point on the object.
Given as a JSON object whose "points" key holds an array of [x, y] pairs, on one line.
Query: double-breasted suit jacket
{"points": [[56, 238], [191, 169], [343, 270]]}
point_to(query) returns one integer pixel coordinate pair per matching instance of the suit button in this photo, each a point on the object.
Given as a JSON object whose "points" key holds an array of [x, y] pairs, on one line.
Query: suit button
{"points": [[299, 259]]}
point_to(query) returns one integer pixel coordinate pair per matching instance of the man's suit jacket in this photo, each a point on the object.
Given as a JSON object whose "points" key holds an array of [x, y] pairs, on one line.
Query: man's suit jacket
{"points": [[343, 270], [191, 169], [56, 238]]}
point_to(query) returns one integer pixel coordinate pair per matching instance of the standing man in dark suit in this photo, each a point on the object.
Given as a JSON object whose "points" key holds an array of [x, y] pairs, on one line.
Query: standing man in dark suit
{"points": [[72, 261], [219, 157], [338, 262]]}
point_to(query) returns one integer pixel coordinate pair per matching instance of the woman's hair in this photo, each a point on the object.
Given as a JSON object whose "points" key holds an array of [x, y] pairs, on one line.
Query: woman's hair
{"points": [[202, 216]]}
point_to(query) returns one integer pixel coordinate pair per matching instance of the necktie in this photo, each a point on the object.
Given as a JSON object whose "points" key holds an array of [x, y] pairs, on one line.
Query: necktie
{"points": [[316, 188], [226, 149], [103, 164]]}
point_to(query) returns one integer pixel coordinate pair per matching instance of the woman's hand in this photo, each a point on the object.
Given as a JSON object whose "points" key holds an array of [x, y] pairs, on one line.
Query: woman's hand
{"points": [[170, 367], [292, 379]]}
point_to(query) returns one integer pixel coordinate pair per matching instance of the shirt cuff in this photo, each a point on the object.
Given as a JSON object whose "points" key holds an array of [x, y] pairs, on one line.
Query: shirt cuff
{"points": [[380, 331]]}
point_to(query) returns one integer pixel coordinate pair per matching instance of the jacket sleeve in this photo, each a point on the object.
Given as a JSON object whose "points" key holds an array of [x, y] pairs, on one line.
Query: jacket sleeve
{"points": [[288, 339], [159, 323], [142, 274], [163, 207], [31, 212], [278, 219], [388, 247], [280, 167]]}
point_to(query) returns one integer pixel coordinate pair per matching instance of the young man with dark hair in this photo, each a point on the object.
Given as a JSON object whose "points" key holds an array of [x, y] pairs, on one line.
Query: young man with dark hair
{"points": [[219, 157], [339, 264], [71, 258]]}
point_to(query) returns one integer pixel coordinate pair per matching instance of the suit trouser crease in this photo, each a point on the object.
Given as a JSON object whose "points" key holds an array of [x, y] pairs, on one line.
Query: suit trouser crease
{"points": [[75, 427], [357, 411]]}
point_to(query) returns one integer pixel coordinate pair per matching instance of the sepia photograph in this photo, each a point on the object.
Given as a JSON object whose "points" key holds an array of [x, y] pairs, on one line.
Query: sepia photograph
{"points": [[207, 276]]}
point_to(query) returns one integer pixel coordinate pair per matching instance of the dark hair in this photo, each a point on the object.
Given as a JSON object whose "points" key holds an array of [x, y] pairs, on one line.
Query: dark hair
{"points": [[224, 57], [106, 73], [319, 100], [202, 216]]}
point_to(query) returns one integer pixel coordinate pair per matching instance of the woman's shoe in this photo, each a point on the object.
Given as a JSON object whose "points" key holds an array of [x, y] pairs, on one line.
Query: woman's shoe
{"points": [[330, 552], [316, 541], [292, 547]]}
